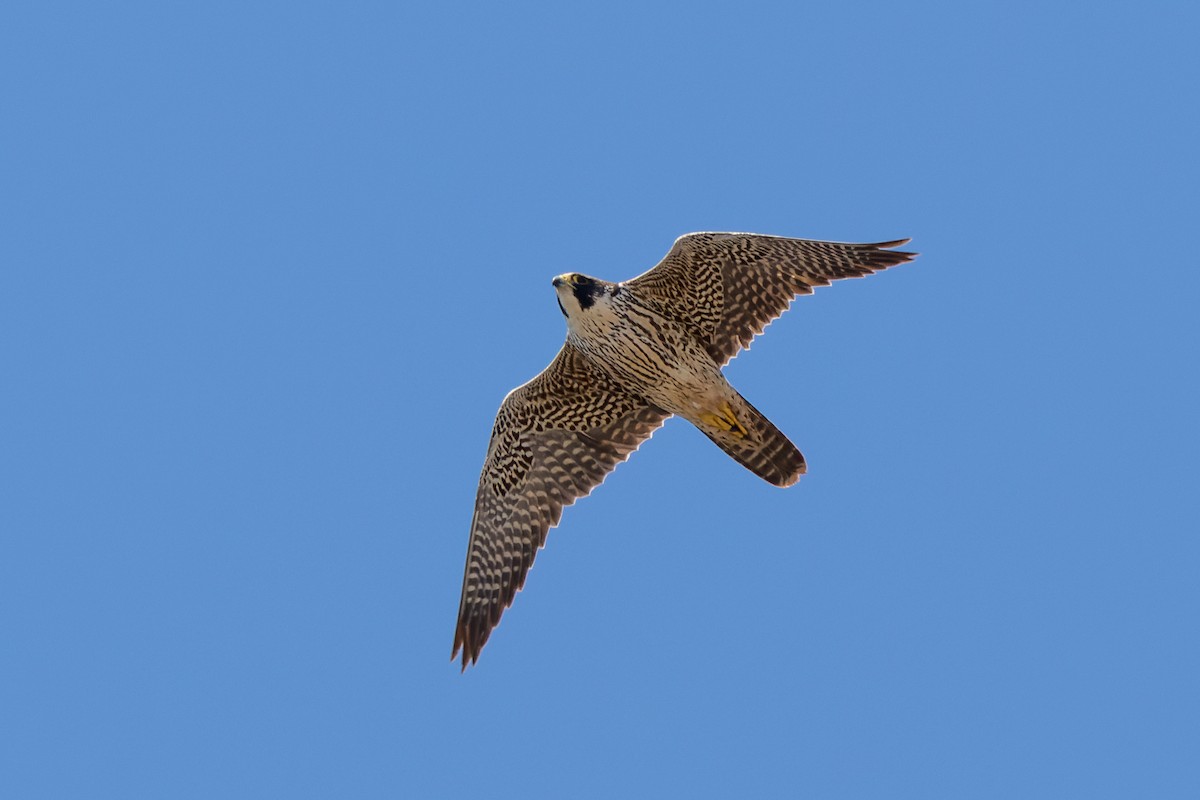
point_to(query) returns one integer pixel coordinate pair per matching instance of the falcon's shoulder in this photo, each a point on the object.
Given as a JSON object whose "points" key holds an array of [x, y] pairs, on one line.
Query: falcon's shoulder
{"points": [[728, 286], [555, 439]]}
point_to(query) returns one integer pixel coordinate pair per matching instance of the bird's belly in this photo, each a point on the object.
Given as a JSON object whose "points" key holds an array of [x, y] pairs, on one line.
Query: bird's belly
{"points": [[682, 388], [677, 376]]}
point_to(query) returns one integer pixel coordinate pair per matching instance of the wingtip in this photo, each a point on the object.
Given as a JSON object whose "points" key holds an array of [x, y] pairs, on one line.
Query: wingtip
{"points": [[466, 661], [909, 255], [881, 255], [459, 644], [463, 644]]}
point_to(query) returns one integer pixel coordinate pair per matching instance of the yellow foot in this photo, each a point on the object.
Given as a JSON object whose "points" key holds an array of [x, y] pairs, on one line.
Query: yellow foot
{"points": [[726, 420]]}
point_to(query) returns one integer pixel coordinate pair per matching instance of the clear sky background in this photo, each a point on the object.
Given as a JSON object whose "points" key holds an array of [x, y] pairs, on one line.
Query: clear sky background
{"points": [[268, 269]]}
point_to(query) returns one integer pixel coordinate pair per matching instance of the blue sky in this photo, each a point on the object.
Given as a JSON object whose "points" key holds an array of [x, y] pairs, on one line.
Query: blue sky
{"points": [[269, 269]]}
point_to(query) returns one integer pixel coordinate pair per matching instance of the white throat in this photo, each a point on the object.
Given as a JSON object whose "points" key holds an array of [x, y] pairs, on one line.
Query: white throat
{"points": [[597, 321]]}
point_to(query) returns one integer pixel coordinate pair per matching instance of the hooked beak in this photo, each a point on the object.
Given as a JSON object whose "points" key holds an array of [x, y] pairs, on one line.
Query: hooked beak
{"points": [[561, 280]]}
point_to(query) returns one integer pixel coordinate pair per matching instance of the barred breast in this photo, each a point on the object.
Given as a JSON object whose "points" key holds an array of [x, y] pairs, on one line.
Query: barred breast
{"points": [[649, 355]]}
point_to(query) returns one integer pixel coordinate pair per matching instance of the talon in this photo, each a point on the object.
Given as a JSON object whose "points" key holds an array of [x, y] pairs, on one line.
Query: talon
{"points": [[734, 423], [726, 420]]}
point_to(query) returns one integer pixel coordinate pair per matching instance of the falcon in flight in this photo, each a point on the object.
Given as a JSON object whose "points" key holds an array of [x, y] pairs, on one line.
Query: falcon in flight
{"points": [[636, 353]]}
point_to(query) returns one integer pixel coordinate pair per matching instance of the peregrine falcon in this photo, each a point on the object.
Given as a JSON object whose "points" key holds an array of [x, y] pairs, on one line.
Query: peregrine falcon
{"points": [[636, 353]]}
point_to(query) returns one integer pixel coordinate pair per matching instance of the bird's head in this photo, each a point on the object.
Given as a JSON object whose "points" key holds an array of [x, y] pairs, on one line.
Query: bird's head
{"points": [[578, 294]]}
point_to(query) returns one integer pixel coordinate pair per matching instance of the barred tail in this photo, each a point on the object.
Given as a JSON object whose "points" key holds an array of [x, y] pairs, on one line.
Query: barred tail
{"points": [[764, 450]]}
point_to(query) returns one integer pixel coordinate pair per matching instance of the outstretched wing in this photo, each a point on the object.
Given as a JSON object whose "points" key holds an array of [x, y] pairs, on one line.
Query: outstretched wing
{"points": [[555, 440], [728, 286]]}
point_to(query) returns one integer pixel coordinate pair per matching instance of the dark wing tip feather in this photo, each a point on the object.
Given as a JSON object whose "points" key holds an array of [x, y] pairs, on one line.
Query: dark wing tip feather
{"points": [[473, 631], [882, 255], [469, 642]]}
